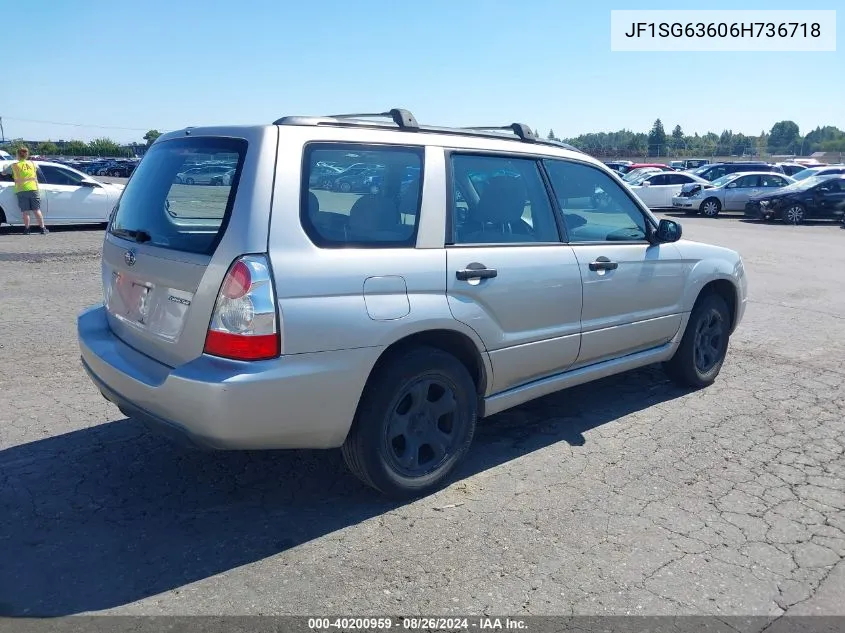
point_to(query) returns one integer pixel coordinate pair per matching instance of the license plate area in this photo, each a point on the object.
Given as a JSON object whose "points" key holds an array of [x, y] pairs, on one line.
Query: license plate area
{"points": [[130, 299]]}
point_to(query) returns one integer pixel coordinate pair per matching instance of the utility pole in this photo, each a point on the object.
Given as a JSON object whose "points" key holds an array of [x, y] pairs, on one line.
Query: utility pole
{"points": [[2, 133]]}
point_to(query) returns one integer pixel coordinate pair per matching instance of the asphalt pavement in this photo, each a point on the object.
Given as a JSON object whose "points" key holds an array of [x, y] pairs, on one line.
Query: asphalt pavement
{"points": [[628, 496]]}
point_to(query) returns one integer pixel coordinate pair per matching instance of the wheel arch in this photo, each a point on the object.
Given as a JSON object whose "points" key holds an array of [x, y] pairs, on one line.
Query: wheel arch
{"points": [[459, 344], [727, 290]]}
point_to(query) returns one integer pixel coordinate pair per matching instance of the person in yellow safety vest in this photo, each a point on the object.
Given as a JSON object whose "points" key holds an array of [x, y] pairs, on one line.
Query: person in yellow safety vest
{"points": [[26, 189]]}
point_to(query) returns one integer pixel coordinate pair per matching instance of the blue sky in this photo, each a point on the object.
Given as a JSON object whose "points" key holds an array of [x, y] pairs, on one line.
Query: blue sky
{"points": [[130, 66]]}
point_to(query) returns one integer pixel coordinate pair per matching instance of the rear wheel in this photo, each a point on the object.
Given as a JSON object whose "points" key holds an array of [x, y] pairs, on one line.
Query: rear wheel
{"points": [[415, 423], [699, 357], [710, 207]]}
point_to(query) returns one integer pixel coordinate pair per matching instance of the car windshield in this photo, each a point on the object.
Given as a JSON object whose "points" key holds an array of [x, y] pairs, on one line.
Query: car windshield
{"points": [[805, 173], [639, 173], [803, 185]]}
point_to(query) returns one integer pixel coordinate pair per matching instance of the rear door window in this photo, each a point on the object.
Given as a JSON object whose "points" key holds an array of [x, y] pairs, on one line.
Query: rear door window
{"points": [[361, 195], [158, 209]]}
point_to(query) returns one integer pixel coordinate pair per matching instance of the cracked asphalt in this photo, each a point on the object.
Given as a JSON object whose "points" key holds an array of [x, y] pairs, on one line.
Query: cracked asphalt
{"points": [[627, 496]]}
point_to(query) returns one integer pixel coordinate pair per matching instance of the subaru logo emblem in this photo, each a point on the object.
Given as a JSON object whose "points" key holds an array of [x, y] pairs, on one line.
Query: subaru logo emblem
{"points": [[129, 258]]}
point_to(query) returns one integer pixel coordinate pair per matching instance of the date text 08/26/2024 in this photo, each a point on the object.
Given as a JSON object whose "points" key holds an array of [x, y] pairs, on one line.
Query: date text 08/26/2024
{"points": [[416, 623]]}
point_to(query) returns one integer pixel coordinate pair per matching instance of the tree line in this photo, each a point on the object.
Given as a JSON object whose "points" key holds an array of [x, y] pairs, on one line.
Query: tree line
{"points": [[97, 147], [783, 138]]}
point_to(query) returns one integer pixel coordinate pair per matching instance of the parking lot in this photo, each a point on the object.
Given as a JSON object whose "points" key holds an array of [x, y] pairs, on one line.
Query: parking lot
{"points": [[628, 496]]}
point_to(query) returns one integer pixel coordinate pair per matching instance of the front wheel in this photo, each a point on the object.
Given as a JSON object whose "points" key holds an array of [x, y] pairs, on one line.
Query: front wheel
{"points": [[794, 214], [710, 207], [699, 357], [415, 423], [189, 181], [345, 187]]}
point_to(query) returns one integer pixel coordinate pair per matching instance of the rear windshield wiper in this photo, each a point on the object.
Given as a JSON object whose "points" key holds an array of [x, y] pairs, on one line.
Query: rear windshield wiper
{"points": [[139, 235]]}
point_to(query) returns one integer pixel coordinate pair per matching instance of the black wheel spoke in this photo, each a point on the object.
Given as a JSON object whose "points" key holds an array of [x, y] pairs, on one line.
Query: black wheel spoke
{"points": [[443, 405], [410, 456], [419, 396], [398, 426], [438, 443]]}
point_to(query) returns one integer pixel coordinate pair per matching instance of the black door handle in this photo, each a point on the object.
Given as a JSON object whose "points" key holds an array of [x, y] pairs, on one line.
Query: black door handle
{"points": [[476, 271], [603, 263]]}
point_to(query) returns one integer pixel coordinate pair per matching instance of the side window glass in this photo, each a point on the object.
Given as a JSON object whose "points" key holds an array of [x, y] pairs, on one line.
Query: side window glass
{"points": [[364, 196], [661, 179], [500, 200], [772, 181], [595, 208], [54, 176], [70, 177], [746, 182]]}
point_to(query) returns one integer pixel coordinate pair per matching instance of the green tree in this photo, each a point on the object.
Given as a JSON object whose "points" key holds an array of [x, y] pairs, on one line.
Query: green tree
{"points": [[75, 148], [15, 144], [47, 148], [678, 138], [657, 139], [151, 136], [816, 140], [784, 137], [104, 147], [638, 144], [551, 135], [762, 143]]}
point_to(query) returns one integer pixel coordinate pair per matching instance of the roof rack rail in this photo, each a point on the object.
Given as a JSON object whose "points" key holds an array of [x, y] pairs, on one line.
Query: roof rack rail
{"points": [[405, 121], [402, 118], [520, 129]]}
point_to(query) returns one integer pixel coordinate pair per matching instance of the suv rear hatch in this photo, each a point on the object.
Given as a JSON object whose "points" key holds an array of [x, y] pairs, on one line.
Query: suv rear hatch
{"points": [[169, 244]]}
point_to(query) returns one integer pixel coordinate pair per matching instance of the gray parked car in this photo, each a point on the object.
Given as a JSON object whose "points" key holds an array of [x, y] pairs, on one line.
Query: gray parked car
{"points": [[728, 193], [270, 314]]}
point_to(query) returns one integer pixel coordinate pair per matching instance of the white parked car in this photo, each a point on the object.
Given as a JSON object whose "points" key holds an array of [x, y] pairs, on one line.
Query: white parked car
{"points": [[658, 189], [68, 196]]}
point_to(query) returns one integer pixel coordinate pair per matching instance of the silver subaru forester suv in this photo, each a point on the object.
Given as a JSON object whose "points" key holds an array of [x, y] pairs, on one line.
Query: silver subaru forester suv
{"points": [[458, 273]]}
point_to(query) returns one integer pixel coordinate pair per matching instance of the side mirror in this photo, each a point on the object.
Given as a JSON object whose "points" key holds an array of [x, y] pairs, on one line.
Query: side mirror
{"points": [[645, 183], [667, 231], [732, 185]]}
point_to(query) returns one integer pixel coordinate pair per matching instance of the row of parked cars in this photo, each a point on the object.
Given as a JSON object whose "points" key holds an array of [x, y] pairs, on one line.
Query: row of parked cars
{"points": [[114, 167], [790, 192]]}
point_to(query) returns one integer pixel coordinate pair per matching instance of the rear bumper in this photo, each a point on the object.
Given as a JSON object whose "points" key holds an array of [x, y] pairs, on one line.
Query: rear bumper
{"points": [[298, 401]]}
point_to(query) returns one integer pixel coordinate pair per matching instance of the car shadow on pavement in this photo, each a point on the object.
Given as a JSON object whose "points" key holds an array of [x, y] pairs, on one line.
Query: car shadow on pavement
{"points": [[108, 515]]}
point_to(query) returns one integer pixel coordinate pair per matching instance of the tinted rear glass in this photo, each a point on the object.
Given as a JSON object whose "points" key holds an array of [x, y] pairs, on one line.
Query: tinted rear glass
{"points": [[172, 202]]}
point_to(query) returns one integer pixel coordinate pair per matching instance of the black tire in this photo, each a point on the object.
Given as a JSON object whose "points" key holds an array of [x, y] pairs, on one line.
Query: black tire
{"points": [[2, 217], [189, 181], [345, 187], [684, 367], [710, 207], [375, 457], [794, 213]]}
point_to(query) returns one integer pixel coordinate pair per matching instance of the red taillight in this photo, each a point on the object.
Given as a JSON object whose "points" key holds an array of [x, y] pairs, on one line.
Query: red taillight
{"points": [[240, 347], [237, 281], [243, 326]]}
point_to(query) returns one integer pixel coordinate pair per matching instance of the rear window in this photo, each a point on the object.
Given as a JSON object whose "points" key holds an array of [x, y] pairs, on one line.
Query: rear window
{"points": [[174, 200], [361, 195]]}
